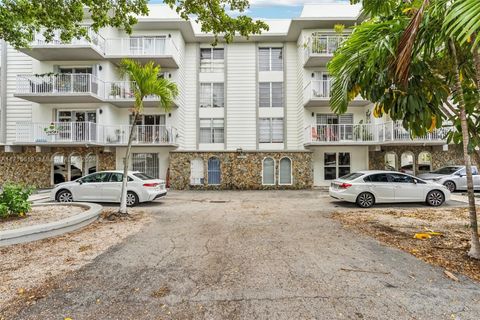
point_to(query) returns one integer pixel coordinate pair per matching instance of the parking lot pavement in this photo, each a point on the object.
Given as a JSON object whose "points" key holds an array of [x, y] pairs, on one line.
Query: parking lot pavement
{"points": [[254, 255]]}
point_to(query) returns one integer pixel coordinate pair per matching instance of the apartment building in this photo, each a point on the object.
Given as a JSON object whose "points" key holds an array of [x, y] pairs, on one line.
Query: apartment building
{"points": [[253, 114]]}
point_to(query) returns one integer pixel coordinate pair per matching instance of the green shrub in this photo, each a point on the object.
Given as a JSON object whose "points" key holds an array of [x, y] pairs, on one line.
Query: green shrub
{"points": [[14, 200]]}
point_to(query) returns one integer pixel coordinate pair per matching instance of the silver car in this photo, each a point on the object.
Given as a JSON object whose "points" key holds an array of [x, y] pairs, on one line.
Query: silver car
{"points": [[452, 177]]}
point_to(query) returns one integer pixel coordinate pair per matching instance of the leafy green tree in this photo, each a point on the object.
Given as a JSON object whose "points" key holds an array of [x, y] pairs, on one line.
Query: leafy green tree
{"points": [[20, 20], [146, 82], [404, 60]]}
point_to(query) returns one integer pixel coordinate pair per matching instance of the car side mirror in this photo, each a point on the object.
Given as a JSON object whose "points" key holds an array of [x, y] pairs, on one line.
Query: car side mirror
{"points": [[80, 181], [415, 181]]}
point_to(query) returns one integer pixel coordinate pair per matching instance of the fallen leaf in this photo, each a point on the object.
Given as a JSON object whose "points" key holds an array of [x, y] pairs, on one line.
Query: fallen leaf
{"points": [[450, 275], [422, 236]]}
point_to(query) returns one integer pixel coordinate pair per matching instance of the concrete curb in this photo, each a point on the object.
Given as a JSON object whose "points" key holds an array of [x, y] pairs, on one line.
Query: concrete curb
{"points": [[51, 229]]}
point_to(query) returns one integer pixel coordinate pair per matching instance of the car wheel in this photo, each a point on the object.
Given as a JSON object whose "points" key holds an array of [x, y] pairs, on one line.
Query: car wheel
{"points": [[132, 199], [435, 198], [450, 185], [64, 196], [365, 200]]}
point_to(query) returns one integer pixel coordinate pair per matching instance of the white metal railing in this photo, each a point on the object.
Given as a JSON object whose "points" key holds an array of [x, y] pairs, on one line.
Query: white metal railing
{"points": [[321, 45], [141, 46], [93, 39], [212, 65], [90, 132], [319, 89], [370, 132], [63, 83]]}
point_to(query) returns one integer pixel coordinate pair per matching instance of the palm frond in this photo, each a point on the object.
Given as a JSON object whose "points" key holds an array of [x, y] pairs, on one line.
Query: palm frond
{"points": [[463, 20]]}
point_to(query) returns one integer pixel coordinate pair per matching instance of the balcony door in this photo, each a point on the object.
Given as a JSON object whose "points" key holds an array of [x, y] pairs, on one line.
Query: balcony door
{"points": [[332, 127], [75, 80], [77, 125], [321, 84], [151, 128]]}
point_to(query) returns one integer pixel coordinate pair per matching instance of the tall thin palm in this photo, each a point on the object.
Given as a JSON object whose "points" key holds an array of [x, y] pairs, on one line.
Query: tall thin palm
{"points": [[145, 82]]}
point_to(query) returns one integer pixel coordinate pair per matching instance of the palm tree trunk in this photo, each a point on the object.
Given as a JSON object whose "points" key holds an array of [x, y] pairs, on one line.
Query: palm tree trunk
{"points": [[475, 243], [126, 161]]}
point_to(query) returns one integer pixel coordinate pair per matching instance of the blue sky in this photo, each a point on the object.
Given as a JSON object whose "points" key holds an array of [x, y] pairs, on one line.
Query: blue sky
{"points": [[277, 9]]}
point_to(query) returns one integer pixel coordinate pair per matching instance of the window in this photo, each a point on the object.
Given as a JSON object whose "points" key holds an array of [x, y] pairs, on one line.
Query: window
{"points": [[118, 177], [379, 177], [336, 165], [146, 163], [96, 177], [270, 94], [212, 95], [391, 161], [91, 162], [270, 130], [268, 171], [424, 162], [270, 59], [211, 59], [400, 178], [285, 171], [214, 172], [196, 172], [76, 167], [211, 130]]}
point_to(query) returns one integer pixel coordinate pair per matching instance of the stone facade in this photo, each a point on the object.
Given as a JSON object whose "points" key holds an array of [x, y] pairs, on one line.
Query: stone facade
{"points": [[240, 170], [440, 158], [35, 168]]}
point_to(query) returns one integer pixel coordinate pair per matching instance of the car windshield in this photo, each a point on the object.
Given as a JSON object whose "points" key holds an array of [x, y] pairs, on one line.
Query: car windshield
{"points": [[352, 176], [447, 170], [143, 176]]}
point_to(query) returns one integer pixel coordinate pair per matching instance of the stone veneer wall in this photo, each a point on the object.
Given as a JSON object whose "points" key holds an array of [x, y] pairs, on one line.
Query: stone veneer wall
{"points": [[34, 168], [241, 171], [440, 158]]}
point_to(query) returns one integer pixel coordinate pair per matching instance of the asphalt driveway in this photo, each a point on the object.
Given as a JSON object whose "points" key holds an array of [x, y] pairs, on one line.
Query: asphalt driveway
{"points": [[255, 255]]}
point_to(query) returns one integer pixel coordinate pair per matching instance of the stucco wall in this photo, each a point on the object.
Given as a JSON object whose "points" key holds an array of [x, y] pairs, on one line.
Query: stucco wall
{"points": [[34, 168], [240, 171]]}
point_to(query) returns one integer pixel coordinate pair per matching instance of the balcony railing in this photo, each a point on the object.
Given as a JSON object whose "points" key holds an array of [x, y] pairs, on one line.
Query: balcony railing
{"points": [[59, 84], [319, 89], [93, 39], [140, 46], [368, 133], [89, 132], [323, 45]]}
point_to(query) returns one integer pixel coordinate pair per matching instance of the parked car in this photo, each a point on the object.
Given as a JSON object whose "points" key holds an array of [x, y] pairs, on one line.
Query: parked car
{"points": [[452, 177], [365, 188], [106, 186]]}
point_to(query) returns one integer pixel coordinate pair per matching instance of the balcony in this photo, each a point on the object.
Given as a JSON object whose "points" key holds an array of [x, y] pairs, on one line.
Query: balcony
{"points": [[91, 48], [317, 93], [319, 49], [68, 133], [387, 133], [162, 50], [60, 88], [120, 94]]}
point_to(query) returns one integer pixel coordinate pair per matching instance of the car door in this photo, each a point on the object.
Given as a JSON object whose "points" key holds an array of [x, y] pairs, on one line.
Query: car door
{"points": [[90, 188], [113, 187], [476, 178], [380, 187], [406, 188], [460, 179]]}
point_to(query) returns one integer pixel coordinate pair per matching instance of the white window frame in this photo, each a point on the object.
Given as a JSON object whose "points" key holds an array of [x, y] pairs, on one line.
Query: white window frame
{"points": [[212, 130], [211, 84], [270, 58], [337, 165], [270, 120], [280, 172], [270, 95], [201, 180], [274, 175]]}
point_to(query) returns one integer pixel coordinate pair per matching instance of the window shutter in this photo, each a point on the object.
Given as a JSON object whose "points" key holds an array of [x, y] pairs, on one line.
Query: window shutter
{"points": [[264, 94], [264, 130], [277, 130], [277, 59], [264, 59], [277, 94], [346, 118]]}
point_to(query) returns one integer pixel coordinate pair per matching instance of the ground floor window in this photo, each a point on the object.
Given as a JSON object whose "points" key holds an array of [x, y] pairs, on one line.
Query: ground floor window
{"points": [[407, 163], [285, 171], [336, 164], [214, 171], [91, 163], [196, 172], [146, 163], [268, 171], [391, 161]]}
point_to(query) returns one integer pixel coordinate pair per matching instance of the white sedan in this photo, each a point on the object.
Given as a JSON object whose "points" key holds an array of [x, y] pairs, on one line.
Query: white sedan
{"points": [[365, 188], [106, 186]]}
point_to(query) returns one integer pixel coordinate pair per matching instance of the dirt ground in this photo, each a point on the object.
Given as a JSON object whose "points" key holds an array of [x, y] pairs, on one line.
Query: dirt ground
{"points": [[447, 230], [252, 255], [26, 270]]}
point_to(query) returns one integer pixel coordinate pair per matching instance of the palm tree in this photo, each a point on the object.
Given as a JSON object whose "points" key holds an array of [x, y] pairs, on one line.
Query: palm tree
{"points": [[405, 61], [145, 82]]}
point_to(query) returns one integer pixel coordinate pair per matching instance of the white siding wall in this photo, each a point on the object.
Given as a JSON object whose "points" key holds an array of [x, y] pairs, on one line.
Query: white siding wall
{"points": [[17, 109], [241, 98], [293, 141]]}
